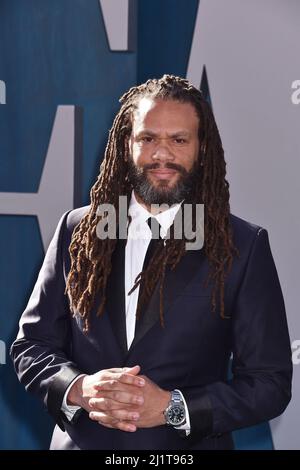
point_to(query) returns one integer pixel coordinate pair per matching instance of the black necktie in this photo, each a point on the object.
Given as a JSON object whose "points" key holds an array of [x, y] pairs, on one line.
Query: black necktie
{"points": [[155, 229]]}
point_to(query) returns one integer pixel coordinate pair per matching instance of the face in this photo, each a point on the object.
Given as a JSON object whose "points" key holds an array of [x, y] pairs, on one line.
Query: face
{"points": [[163, 148]]}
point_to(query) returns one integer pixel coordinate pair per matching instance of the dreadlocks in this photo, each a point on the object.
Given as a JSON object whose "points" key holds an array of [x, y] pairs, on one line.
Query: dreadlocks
{"points": [[91, 257]]}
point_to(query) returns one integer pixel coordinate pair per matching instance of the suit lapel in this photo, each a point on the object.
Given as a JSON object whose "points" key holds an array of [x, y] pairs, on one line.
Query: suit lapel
{"points": [[115, 297], [175, 282]]}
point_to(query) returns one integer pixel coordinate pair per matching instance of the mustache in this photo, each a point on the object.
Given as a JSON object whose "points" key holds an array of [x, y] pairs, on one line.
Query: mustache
{"points": [[170, 166]]}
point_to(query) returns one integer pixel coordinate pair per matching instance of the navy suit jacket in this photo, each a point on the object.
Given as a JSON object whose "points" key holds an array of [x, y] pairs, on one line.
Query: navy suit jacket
{"points": [[192, 352]]}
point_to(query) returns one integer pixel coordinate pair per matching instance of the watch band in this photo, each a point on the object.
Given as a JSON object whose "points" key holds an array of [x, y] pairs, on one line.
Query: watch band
{"points": [[176, 396], [175, 403]]}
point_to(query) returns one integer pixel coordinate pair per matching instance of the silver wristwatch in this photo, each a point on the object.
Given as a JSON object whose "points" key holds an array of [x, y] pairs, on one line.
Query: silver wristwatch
{"points": [[175, 412]]}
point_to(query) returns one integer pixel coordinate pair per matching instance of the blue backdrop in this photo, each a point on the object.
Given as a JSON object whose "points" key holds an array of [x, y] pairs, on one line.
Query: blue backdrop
{"points": [[55, 52]]}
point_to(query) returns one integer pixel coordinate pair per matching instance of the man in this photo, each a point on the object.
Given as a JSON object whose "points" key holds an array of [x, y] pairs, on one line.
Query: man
{"points": [[137, 355]]}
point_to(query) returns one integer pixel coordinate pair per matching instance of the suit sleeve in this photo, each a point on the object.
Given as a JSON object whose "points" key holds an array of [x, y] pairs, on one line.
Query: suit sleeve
{"points": [[260, 387], [42, 349]]}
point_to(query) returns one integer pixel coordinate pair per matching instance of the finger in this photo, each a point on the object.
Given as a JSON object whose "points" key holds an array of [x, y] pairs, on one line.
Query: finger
{"points": [[115, 400], [109, 422], [114, 416], [121, 415], [132, 370], [125, 384], [128, 378], [122, 377], [116, 372], [133, 397]]}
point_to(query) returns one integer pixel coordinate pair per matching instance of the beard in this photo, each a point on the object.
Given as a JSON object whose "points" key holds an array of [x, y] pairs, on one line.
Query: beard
{"points": [[183, 189]]}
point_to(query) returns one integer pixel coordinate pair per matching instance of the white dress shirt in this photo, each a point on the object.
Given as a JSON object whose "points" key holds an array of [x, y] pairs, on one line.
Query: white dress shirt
{"points": [[138, 239]]}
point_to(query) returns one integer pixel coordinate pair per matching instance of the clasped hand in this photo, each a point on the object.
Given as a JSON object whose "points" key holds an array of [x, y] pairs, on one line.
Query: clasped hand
{"points": [[120, 398]]}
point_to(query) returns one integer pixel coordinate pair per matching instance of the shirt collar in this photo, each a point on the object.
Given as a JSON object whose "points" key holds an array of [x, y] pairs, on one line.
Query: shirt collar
{"points": [[165, 218]]}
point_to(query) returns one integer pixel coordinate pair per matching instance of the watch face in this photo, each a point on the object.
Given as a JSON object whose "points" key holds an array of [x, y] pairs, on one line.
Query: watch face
{"points": [[176, 415]]}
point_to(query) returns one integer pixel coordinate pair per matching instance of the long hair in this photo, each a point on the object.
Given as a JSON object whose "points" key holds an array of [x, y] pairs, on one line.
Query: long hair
{"points": [[91, 257]]}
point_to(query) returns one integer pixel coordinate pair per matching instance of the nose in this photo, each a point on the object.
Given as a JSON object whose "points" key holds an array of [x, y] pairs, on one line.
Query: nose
{"points": [[162, 152]]}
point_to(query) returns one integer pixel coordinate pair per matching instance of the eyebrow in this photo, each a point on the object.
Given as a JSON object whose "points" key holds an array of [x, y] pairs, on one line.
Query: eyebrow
{"points": [[154, 134]]}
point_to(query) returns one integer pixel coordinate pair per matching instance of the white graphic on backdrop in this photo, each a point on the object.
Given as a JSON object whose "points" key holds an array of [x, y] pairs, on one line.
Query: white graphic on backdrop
{"points": [[2, 92], [2, 352], [249, 50], [296, 352], [116, 19], [296, 94], [56, 189]]}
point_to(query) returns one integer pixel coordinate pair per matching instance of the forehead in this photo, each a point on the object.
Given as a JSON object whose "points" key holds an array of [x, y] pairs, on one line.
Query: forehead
{"points": [[158, 114]]}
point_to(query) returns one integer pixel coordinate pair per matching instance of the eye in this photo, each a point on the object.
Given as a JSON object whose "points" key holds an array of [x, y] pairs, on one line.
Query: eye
{"points": [[180, 140], [147, 139]]}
